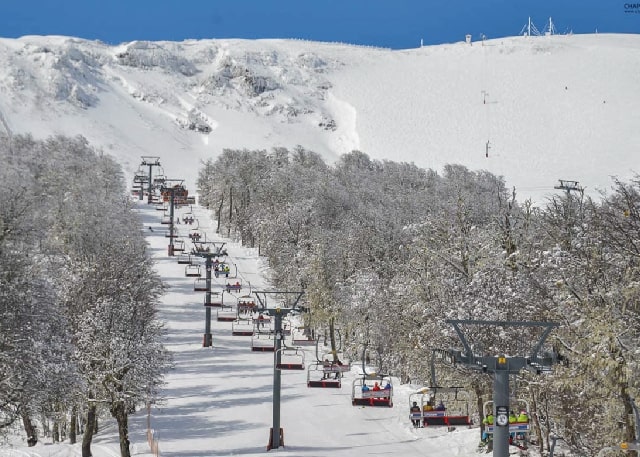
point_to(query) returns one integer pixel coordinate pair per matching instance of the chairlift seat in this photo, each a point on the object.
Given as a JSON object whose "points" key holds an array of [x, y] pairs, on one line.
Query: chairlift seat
{"points": [[325, 383], [233, 287], [260, 348], [226, 314], [215, 301], [304, 342], [200, 285], [193, 271], [184, 259]]}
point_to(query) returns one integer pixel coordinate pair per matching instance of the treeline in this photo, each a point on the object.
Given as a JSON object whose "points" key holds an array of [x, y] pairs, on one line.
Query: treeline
{"points": [[388, 252], [79, 336]]}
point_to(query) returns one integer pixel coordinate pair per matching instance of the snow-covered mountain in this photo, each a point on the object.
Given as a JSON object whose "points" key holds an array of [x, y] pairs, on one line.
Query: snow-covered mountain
{"points": [[534, 109]]}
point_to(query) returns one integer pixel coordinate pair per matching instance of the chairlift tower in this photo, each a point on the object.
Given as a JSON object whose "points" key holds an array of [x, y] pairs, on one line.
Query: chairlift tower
{"points": [[209, 254], [501, 366], [276, 434], [569, 186], [167, 188], [150, 161]]}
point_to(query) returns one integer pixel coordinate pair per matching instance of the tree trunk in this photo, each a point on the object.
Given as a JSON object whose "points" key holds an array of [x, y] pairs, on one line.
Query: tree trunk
{"points": [[119, 412], [535, 419], [30, 430], [73, 423], [87, 437], [220, 213], [55, 432], [230, 211], [332, 336]]}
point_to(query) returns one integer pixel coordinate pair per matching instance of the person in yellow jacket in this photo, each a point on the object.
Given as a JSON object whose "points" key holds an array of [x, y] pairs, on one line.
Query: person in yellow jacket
{"points": [[486, 421], [523, 417]]}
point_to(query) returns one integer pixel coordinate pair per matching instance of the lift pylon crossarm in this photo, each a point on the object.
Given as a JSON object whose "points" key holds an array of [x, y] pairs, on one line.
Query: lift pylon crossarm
{"points": [[150, 160], [261, 295], [501, 367]]}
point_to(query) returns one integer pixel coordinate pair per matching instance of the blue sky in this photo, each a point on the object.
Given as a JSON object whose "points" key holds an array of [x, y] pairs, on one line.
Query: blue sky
{"points": [[395, 24]]}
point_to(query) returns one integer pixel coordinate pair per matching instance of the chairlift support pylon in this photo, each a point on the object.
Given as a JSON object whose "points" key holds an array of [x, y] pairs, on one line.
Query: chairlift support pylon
{"points": [[501, 366], [290, 301], [150, 162]]}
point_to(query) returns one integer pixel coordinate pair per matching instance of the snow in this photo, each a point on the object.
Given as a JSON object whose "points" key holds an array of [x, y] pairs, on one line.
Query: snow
{"points": [[554, 107]]}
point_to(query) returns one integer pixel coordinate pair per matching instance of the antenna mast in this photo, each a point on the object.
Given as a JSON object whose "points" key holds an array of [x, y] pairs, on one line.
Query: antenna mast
{"points": [[530, 29], [551, 29]]}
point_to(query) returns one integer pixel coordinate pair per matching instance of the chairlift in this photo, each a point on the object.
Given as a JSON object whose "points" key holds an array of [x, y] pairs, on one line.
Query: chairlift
{"points": [[291, 358], [215, 301], [166, 220], [263, 341], [160, 179], [332, 360], [242, 327], [195, 235], [194, 271], [200, 285], [233, 287], [189, 218], [223, 269], [179, 194], [178, 245], [519, 429], [202, 247], [332, 365], [226, 314], [262, 323], [302, 339], [446, 406], [317, 377], [246, 305], [363, 393], [184, 259], [140, 177]]}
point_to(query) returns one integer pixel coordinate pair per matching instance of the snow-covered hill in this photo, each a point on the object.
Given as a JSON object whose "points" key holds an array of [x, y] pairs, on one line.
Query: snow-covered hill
{"points": [[549, 108]]}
